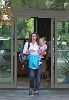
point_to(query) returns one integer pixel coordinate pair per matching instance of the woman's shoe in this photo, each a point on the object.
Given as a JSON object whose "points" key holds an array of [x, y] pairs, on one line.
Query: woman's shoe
{"points": [[36, 92], [31, 92]]}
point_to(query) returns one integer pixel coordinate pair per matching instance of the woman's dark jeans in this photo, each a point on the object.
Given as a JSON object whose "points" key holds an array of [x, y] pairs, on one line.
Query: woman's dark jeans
{"points": [[35, 75]]}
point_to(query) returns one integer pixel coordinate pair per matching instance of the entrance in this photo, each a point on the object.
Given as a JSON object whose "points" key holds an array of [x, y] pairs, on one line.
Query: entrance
{"points": [[43, 27], [56, 29], [57, 32]]}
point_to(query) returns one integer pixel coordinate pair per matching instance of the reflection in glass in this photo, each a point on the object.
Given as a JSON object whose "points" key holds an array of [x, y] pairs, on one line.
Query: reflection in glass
{"points": [[5, 44], [62, 52], [5, 41], [5, 60], [5, 31], [40, 4], [20, 45], [5, 66], [22, 4], [24, 27], [52, 4]]}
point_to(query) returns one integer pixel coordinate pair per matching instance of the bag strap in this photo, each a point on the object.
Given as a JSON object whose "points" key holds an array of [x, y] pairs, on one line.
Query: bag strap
{"points": [[28, 44]]}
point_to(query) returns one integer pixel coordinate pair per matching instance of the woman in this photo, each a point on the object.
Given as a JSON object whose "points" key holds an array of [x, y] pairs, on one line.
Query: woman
{"points": [[34, 67]]}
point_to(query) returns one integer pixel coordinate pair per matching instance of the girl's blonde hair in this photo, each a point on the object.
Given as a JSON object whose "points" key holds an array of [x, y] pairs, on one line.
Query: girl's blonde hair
{"points": [[44, 39]]}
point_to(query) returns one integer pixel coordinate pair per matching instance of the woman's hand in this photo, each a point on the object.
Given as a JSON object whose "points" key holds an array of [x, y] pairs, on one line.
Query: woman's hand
{"points": [[31, 50], [40, 51], [27, 51]]}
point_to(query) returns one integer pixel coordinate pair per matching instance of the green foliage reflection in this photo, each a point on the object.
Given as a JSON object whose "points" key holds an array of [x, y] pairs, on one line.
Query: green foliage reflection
{"points": [[24, 27]]}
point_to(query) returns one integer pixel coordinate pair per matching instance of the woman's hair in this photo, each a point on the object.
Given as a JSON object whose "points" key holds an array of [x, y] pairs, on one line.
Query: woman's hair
{"points": [[37, 37]]}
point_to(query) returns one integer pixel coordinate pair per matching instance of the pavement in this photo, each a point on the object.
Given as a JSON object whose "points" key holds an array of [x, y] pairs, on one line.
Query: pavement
{"points": [[21, 94]]}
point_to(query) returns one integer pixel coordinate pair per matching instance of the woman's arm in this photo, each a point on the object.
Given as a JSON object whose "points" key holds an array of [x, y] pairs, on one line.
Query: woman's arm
{"points": [[25, 49]]}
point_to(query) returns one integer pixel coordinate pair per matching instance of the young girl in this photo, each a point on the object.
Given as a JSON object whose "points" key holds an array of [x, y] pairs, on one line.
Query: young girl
{"points": [[42, 54], [42, 47]]}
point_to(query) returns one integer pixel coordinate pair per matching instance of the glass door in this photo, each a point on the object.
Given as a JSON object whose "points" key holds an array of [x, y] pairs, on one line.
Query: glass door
{"points": [[62, 53], [23, 27], [6, 57]]}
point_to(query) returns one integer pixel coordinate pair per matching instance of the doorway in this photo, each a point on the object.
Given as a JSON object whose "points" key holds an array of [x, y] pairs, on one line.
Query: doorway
{"points": [[24, 27], [44, 30]]}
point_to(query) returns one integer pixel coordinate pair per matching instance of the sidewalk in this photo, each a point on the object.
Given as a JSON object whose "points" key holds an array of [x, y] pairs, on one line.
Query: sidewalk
{"points": [[44, 95]]}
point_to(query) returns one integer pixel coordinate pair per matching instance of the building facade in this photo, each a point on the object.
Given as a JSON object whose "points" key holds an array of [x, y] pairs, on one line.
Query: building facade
{"points": [[47, 18]]}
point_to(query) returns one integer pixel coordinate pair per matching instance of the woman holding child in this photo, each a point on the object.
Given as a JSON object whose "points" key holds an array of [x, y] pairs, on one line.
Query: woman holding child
{"points": [[34, 62]]}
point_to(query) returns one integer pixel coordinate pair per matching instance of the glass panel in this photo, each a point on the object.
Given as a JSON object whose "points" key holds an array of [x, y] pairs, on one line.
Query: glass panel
{"points": [[40, 4], [49, 4], [5, 55], [5, 66], [52, 4], [24, 27], [5, 44], [63, 52], [5, 32], [19, 45], [22, 4]]}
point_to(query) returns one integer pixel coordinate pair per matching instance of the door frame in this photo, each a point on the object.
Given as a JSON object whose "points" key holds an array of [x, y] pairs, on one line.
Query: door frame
{"points": [[52, 64]]}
